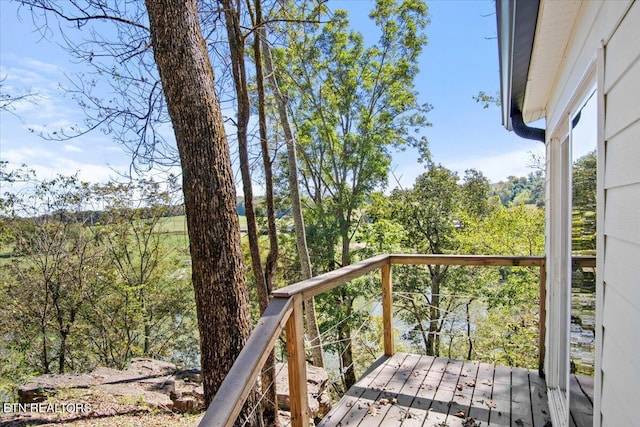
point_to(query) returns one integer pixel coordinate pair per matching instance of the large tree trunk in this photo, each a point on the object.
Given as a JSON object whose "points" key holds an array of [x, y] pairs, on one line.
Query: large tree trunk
{"points": [[296, 206], [209, 194]]}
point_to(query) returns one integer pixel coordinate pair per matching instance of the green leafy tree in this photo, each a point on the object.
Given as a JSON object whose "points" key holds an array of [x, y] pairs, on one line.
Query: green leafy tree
{"points": [[507, 317], [351, 105], [55, 262], [148, 301], [521, 190], [428, 212]]}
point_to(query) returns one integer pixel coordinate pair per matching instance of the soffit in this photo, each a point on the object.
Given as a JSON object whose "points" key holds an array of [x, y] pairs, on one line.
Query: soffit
{"points": [[553, 31]]}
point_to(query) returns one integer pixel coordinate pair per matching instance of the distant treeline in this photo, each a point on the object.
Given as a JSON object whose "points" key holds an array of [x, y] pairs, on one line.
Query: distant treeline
{"points": [[93, 217], [518, 190]]}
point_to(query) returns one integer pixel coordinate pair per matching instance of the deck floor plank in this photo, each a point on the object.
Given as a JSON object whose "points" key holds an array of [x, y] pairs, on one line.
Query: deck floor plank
{"points": [[362, 407], [400, 377], [397, 413], [501, 397], [429, 391], [441, 403], [353, 396], [479, 409], [581, 407], [521, 398], [539, 405], [420, 410], [463, 395]]}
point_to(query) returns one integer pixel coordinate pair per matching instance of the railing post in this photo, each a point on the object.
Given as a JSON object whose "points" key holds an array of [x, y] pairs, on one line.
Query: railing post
{"points": [[297, 366], [542, 327], [387, 309]]}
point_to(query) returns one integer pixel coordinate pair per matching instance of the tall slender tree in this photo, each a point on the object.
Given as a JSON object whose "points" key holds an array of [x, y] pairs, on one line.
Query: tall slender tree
{"points": [[263, 277], [302, 247], [352, 105]]}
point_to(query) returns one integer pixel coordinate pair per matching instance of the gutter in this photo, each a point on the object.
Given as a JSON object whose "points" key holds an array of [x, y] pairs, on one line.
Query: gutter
{"points": [[524, 131], [516, 20]]}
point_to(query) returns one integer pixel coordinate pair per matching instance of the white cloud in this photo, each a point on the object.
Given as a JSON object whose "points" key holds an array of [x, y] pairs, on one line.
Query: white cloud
{"points": [[41, 66], [24, 155], [499, 167], [73, 148], [496, 167]]}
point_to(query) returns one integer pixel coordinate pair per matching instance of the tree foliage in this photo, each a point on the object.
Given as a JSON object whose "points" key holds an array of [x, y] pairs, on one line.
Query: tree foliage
{"points": [[85, 288], [460, 311], [351, 105], [584, 204]]}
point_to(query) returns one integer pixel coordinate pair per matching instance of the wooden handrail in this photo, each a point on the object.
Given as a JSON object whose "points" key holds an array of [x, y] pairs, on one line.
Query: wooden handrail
{"points": [[484, 260], [235, 388], [327, 281], [284, 312]]}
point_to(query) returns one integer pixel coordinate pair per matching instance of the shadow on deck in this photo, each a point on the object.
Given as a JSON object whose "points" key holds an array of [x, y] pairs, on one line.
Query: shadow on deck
{"points": [[412, 390]]}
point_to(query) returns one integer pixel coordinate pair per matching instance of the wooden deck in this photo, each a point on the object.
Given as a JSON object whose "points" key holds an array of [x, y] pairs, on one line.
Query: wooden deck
{"points": [[412, 390], [581, 401]]}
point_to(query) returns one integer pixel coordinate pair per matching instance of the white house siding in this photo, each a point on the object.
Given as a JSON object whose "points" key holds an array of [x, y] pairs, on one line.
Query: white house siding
{"points": [[616, 26], [620, 362]]}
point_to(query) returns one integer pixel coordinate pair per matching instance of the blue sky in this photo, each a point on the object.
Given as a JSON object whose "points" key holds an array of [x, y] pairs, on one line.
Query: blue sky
{"points": [[460, 59]]}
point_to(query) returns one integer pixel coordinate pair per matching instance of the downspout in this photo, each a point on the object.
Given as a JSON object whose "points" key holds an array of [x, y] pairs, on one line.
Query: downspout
{"points": [[524, 131]]}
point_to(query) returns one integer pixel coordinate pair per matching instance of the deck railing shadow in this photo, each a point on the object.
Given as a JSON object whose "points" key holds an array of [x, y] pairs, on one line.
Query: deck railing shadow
{"points": [[285, 314]]}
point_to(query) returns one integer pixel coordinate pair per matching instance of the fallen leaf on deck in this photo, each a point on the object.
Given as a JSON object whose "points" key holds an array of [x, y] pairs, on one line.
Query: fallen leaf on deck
{"points": [[491, 404], [373, 411], [459, 387], [460, 414], [519, 422], [394, 401], [383, 401], [471, 383], [470, 422]]}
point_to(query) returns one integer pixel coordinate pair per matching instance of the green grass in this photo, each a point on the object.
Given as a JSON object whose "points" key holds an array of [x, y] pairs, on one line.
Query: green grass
{"points": [[174, 230], [178, 224]]}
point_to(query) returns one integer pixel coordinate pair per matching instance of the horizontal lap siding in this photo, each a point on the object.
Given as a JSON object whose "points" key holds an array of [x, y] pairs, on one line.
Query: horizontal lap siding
{"points": [[623, 150], [619, 391], [622, 272], [622, 216], [621, 307]]}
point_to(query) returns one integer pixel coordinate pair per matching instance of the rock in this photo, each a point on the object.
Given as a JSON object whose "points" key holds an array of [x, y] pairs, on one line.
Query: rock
{"points": [[317, 379], [40, 388], [285, 419], [187, 404], [151, 366], [324, 403], [152, 382], [188, 396], [189, 375]]}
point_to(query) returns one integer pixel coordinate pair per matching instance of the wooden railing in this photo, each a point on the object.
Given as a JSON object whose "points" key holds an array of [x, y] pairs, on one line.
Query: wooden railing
{"points": [[284, 313]]}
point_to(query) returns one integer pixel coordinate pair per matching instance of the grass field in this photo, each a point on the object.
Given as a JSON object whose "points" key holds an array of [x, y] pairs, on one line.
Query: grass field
{"points": [[173, 229], [178, 224]]}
